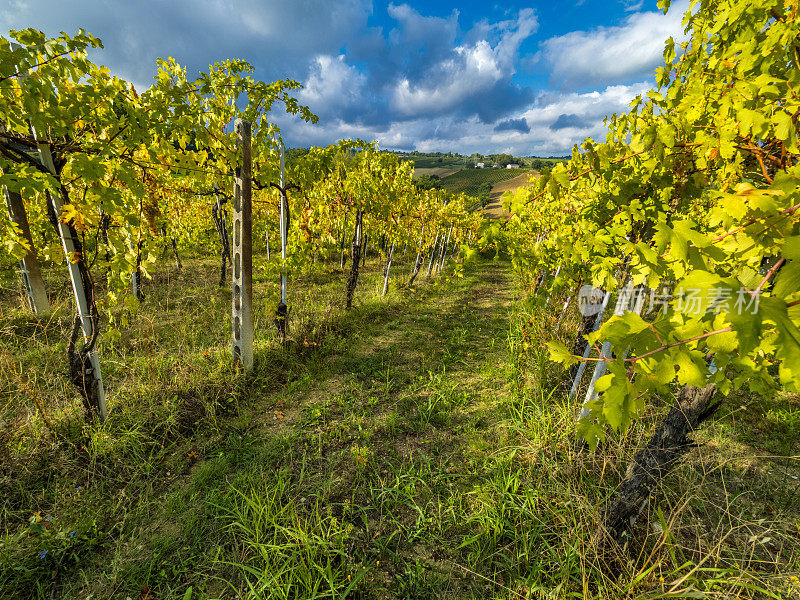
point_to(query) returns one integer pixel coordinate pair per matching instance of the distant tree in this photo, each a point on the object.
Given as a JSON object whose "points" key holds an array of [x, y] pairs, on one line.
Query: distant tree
{"points": [[502, 159], [428, 182], [484, 190], [539, 164]]}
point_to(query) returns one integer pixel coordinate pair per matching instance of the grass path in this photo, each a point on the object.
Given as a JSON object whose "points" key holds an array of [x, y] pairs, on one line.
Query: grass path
{"points": [[399, 451], [394, 425], [352, 461]]}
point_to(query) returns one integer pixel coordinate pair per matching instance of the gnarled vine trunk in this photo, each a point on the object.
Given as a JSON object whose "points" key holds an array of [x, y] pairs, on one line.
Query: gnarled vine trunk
{"points": [[670, 442], [352, 280]]}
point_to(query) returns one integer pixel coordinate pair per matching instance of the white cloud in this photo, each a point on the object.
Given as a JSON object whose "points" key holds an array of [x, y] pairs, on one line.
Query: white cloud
{"points": [[423, 84], [278, 36], [612, 54], [446, 133], [466, 71], [332, 83], [632, 5]]}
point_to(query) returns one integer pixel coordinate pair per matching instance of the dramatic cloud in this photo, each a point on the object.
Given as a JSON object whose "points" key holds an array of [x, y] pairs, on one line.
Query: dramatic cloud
{"points": [[564, 121], [513, 125], [393, 72], [440, 75], [278, 36], [540, 129], [628, 52], [334, 88]]}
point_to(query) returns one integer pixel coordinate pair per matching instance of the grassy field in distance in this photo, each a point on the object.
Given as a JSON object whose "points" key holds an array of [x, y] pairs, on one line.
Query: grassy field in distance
{"points": [[438, 172], [470, 180]]}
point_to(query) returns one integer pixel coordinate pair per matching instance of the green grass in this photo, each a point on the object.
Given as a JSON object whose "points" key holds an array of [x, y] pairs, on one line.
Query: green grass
{"points": [[469, 181], [411, 448]]}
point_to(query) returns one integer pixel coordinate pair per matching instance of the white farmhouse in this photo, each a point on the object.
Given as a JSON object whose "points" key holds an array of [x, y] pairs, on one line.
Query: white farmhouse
{"points": [[512, 166]]}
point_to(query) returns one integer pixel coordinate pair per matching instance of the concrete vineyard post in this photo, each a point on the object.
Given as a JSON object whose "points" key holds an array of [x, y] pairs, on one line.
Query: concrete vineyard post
{"points": [[444, 248], [582, 367], [242, 305], [29, 265], [563, 312], [284, 225], [433, 253], [555, 276], [79, 287], [417, 261], [625, 301], [388, 266]]}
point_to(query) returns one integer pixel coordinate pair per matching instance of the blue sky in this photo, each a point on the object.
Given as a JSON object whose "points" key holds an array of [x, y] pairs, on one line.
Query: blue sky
{"points": [[529, 78]]}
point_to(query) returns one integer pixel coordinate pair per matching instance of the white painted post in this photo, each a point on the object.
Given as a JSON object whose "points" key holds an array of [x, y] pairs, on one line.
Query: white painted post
{"points": [[582, 367], [433, 253], [284, 232], [242, 305], [558, 270], [624, 302], [444, 248], [29, 265], [65, 232], [388, 266], [419, 249], [564, 311]]}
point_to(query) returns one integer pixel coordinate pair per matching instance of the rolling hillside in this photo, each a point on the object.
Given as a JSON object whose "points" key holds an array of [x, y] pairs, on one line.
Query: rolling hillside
{"points": [[494, 208], [470, 180]]}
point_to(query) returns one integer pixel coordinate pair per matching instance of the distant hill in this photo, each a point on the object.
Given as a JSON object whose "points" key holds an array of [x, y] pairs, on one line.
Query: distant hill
{"points": [[438, 162], [494, 206]]}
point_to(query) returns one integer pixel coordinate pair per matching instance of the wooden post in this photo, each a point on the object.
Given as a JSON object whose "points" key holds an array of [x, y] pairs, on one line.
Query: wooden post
{"points": [[31, 273], [70, 243], [242, 313]]}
